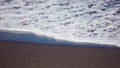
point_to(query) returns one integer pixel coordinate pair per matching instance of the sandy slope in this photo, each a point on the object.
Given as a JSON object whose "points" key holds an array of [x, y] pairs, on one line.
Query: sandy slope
{"points": [[23, 55]]}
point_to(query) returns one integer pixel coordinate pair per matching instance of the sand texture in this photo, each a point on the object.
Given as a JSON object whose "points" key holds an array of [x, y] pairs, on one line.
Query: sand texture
{"points": [[24, 55]]}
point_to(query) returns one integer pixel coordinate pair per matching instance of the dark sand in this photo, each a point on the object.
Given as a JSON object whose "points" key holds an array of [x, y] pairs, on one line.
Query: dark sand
{"points": [[24, 55]]}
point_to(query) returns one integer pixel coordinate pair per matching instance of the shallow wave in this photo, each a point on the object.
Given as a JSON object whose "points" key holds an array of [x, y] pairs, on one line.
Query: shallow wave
{"points": [[50, 38]]}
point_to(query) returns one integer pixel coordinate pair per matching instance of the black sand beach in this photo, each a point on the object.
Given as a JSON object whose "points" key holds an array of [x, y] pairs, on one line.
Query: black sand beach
{"points": [[25, 55]]}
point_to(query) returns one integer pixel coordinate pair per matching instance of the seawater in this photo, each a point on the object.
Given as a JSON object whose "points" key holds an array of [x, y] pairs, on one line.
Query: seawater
{"points": [[29, 37]]}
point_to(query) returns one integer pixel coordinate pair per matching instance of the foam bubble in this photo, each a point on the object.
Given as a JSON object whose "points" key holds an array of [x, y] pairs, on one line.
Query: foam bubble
{"points": [[72, 20]]}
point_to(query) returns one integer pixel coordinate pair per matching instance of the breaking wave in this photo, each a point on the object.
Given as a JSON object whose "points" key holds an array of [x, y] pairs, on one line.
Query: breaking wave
{"points": [[72, 20]]}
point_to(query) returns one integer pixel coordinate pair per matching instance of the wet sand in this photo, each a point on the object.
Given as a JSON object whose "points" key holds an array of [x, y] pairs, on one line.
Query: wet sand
{"points": [[25, 55]]}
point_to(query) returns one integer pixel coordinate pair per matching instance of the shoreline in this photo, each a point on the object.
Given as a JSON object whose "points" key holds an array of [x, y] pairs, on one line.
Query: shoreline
{"points": [[29, 37], [22, 52]]}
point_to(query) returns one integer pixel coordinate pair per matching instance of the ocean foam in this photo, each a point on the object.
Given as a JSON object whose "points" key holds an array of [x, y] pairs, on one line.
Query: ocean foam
{"points": [[72, 20]]}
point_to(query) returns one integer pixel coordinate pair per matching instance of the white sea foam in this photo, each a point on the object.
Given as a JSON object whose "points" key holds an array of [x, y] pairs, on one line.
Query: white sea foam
{"points": [[72, 20]]}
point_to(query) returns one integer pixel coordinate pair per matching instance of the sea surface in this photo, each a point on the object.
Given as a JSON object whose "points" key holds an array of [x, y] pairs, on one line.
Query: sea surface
{"points": [[29, 37], [88, 21]]}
